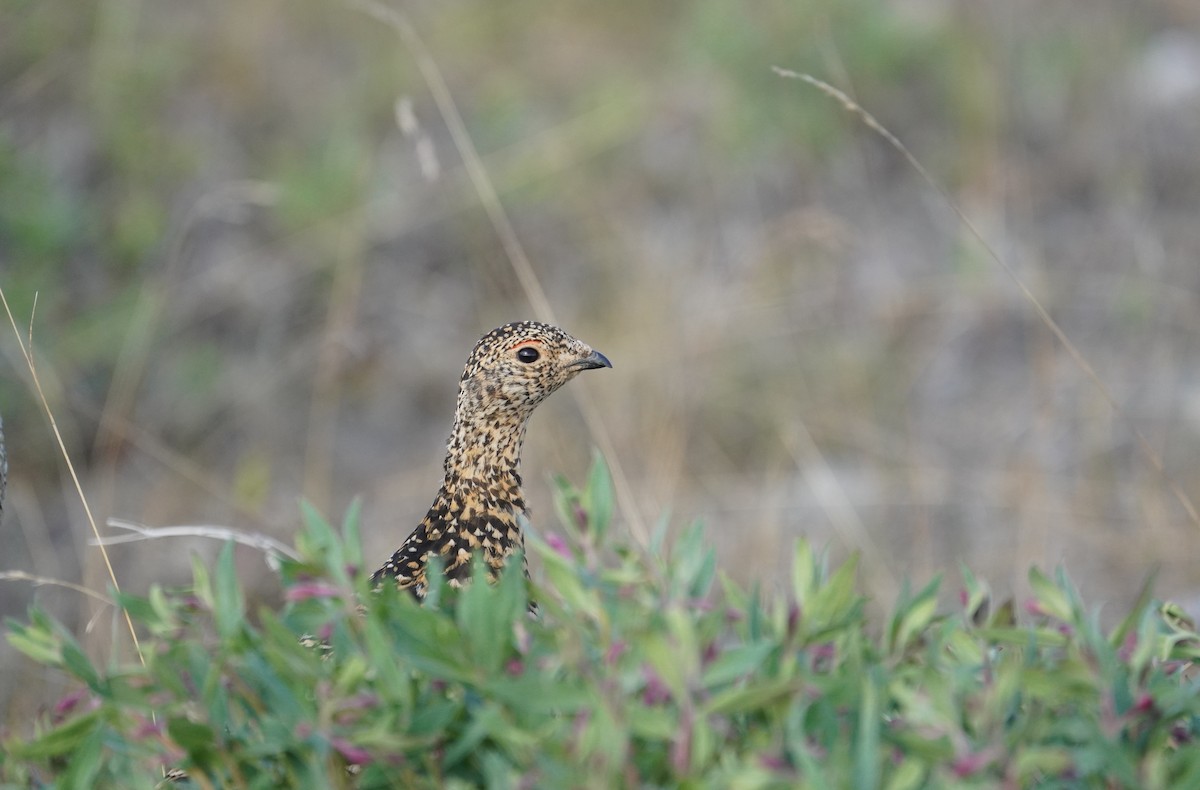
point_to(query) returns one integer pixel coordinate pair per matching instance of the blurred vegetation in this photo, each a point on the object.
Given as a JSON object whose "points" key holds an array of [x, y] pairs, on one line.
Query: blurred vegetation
{"points": [[640, 670], [253, 283]]}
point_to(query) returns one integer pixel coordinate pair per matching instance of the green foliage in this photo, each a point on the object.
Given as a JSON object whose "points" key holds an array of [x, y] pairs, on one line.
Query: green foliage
{"points": [[636, 669]]}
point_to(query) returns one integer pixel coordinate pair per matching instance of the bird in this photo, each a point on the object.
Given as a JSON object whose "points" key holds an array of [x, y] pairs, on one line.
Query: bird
{"points": [[480, 505]]}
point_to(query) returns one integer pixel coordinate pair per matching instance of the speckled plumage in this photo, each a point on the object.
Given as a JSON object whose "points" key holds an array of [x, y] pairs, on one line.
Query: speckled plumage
{"points": [[480, 500]]}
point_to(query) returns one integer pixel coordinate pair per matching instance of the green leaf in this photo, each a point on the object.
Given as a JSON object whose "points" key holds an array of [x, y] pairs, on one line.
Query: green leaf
{"points": [[566, 501], [597, 499], [978, 598], [866, 745], [141, 610], [1037, 762], [486, 721], [351, 537], [703, 742], [382, 656], [1147, 642], [532, 693], [426, 639], [37, 642], [909, 775], [736, 663], [597, 736], [201, 583], [436, 584], [565, 579], [434, 718], [498, 773], [804, 571], [164, 614], [694, 563], [654, 723], [1140, 605], [319, 544], [60, 741], [1052, 601], [229, 607], [753, 697], [667, 657], [486, 612], [196, 738], [79, 665], [913, 617], [84, 761], [511, 592], [800, 742], [965, 647], [833, 602], [755, 617], [317, 532]]}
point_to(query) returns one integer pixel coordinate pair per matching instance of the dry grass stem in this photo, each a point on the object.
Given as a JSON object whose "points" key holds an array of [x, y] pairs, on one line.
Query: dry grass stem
{"points": [[503, 226], [27, 353], [1043, 314], [270, 547], [44, 581]]}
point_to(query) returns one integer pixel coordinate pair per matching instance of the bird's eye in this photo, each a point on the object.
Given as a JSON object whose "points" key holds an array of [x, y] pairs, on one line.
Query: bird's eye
{"points": [[528, 354]]}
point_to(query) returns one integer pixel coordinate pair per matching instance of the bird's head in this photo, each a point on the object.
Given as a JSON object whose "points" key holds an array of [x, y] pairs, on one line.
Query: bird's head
{"points": [[515, 367]]}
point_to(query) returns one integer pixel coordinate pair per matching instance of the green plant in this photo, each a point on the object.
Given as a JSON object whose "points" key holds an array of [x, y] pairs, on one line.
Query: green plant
{"points": [[640, 668]]}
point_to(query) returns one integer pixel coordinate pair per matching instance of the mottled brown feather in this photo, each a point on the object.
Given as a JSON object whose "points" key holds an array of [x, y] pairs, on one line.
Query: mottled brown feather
{"points": [[478, 505]]}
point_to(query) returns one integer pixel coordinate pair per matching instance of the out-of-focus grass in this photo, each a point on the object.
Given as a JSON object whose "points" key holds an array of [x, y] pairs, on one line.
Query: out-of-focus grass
{"points": [[248, 291]]}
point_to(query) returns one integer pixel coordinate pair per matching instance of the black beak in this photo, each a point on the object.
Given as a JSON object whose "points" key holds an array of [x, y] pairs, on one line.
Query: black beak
{"points": [[591, 361]]}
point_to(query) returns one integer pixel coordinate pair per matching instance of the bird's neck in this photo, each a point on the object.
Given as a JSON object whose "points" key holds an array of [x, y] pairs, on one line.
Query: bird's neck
{"points": [[486, 447]]}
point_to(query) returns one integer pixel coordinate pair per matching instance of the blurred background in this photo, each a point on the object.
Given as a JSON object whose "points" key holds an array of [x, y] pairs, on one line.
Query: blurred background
{"points": [[260, 264]]}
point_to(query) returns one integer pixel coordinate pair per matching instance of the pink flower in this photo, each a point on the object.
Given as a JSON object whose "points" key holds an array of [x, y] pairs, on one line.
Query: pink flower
{"points": [[793, 619], [1171, 667], [655, 692], [147, 728], [614, 652], [302, 592], [773, 762], [824, 653], [970, 764], [67, 704], [355, 755], [556, 542], [360, 701]]}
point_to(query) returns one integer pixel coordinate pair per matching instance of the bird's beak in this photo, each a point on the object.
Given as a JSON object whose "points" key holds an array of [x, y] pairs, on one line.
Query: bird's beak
{"points": [[591, 361]]}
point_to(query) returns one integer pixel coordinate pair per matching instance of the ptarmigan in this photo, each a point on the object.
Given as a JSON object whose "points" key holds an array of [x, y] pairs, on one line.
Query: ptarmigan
{"points": [[511, 370]]}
